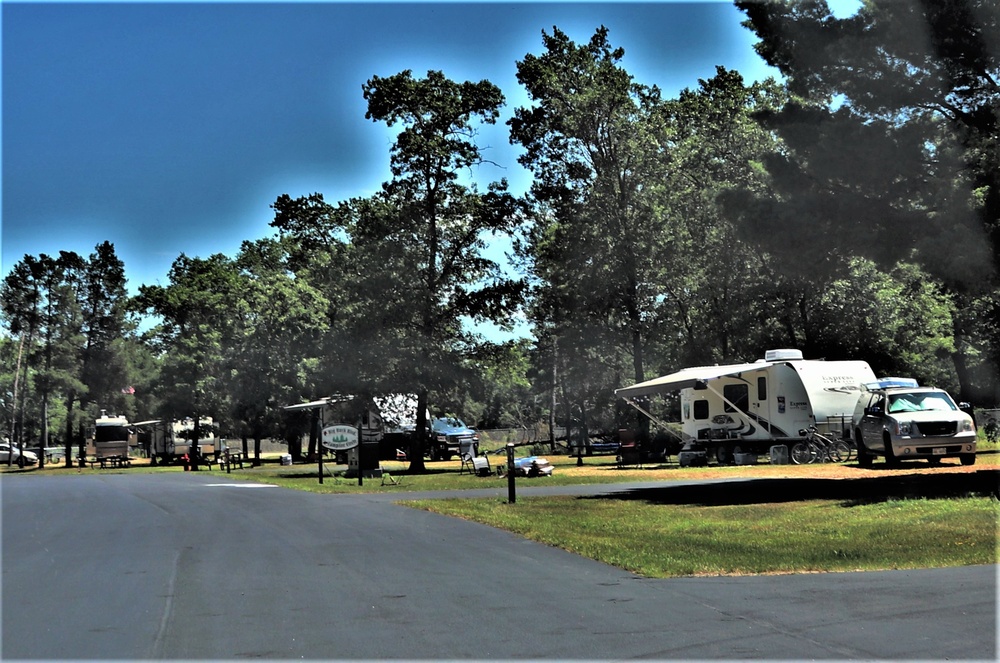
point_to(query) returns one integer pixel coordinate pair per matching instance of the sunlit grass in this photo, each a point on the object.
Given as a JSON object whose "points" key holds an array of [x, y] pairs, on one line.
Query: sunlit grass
{"points": [[656, 540]]}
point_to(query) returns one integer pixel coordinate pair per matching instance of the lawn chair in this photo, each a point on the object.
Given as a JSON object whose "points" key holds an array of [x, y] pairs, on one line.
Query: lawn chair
{"points": [[389, 480], [467, 464]]}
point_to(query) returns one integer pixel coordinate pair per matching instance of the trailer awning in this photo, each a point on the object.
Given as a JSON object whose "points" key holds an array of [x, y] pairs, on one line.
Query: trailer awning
{"points": [[684, 379], [329, 400]]}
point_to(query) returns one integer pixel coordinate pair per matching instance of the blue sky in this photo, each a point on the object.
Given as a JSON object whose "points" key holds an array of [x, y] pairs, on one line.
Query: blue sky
{"points": [[170, 128]]}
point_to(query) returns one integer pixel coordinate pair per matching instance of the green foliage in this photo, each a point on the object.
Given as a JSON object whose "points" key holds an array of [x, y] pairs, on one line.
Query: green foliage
{"points": [[196, 313], [852, 213], [69, 315], [889, 148]]}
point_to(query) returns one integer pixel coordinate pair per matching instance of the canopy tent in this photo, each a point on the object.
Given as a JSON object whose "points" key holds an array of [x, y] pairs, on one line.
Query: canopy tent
{"points": [[684, 379]]}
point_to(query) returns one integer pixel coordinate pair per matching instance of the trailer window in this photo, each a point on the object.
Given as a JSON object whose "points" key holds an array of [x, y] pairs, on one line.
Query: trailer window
{"points": [[738, 395], [761, 389], [701, 409]]}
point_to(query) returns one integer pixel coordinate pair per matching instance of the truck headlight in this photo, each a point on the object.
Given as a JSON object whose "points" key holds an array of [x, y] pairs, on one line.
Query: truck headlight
{"points": [[903, 428], [967, 426]]}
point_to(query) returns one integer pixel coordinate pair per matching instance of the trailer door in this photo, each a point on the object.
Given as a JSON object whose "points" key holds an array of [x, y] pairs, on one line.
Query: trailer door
{"points": [[760, 406]]}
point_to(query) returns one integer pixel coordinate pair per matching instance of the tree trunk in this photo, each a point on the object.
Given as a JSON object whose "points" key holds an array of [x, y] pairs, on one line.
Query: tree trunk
{"points": [[70, 402], [961, 363], [13, 413], [45, 430], [552, 404], [418, 441], [195, 437], [82, 441]]}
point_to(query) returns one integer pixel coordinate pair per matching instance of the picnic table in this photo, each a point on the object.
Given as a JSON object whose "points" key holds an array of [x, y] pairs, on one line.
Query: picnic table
{"points": [[112, 461], [230, 458]]}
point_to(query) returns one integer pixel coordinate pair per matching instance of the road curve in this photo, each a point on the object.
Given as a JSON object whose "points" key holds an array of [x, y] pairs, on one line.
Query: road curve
{"points": [[195, 566]]}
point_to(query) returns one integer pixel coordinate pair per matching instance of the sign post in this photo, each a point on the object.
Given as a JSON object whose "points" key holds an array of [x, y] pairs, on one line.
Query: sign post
{"points": [[511, 490]]}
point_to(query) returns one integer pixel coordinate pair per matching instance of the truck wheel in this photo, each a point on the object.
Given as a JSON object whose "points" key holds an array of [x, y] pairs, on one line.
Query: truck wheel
{"points": [[865, 459], [968, 459], [890, 457]]}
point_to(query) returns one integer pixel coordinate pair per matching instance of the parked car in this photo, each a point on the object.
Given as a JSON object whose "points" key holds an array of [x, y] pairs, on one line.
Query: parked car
{"points": [[30, 458], [899, 420], [451, 437]]}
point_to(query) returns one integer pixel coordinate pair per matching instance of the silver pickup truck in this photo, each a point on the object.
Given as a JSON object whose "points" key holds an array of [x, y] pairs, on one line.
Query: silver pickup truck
{"points": [[898, 420]]}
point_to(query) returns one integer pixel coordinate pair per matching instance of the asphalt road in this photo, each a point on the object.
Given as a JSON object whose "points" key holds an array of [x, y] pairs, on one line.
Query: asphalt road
{"points": [[194, 566]]}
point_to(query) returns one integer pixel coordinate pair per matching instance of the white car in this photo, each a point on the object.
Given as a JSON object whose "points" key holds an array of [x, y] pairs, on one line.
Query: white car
{"points": [[30, 458], [898, 420]]}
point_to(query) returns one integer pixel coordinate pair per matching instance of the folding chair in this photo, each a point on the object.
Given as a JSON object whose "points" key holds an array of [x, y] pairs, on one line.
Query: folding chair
{"points": [[390, 480]]}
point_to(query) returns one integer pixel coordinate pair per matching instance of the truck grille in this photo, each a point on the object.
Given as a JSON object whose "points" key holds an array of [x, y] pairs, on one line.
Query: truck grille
{"points": [[937, 428]]}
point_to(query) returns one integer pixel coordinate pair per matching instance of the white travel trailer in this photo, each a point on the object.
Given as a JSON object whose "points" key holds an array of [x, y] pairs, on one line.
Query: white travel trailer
{"points": [[750, 407], [169, 441]]}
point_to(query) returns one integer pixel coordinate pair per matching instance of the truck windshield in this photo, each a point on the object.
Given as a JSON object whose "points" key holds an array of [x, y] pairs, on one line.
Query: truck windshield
{"points": [[932, 401]]}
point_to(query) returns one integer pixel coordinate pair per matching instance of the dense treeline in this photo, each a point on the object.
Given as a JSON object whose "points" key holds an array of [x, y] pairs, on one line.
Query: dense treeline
{"points": [[850, 211]]}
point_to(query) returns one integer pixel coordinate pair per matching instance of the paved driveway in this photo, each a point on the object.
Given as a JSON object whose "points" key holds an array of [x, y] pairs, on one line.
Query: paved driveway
{"points": [[191, 565]]}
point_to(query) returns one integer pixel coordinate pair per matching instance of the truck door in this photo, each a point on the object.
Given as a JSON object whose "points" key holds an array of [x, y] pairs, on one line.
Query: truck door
{"points": [[871, 423]]}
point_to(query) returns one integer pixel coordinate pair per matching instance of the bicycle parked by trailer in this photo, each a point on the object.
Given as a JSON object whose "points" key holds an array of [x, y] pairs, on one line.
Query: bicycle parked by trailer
{"points": [[817, 447]]}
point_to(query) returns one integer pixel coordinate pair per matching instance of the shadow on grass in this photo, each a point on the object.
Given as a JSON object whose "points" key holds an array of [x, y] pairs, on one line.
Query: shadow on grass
{"points": [[850, 492], [300, 473]]}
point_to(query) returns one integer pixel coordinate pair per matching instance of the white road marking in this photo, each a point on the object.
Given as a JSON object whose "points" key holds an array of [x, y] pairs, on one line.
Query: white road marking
{"points": [[240, 485]]}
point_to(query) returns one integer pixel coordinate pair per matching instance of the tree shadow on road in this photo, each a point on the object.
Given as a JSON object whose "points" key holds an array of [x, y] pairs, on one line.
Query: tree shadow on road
{"points": [[850, 492]]}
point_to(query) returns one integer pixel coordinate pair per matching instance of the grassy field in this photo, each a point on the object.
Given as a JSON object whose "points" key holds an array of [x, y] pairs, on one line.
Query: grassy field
{"points": [[794, 519], [653, 539]]}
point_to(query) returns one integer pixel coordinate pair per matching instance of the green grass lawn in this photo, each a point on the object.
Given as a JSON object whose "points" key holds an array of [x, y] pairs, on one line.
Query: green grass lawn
{"points": [[664, 540]]}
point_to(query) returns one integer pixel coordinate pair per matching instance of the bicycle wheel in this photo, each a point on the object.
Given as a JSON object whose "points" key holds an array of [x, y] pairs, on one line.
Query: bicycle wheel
{"points": [[802, 454], [842, 451], [829, 449]]}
